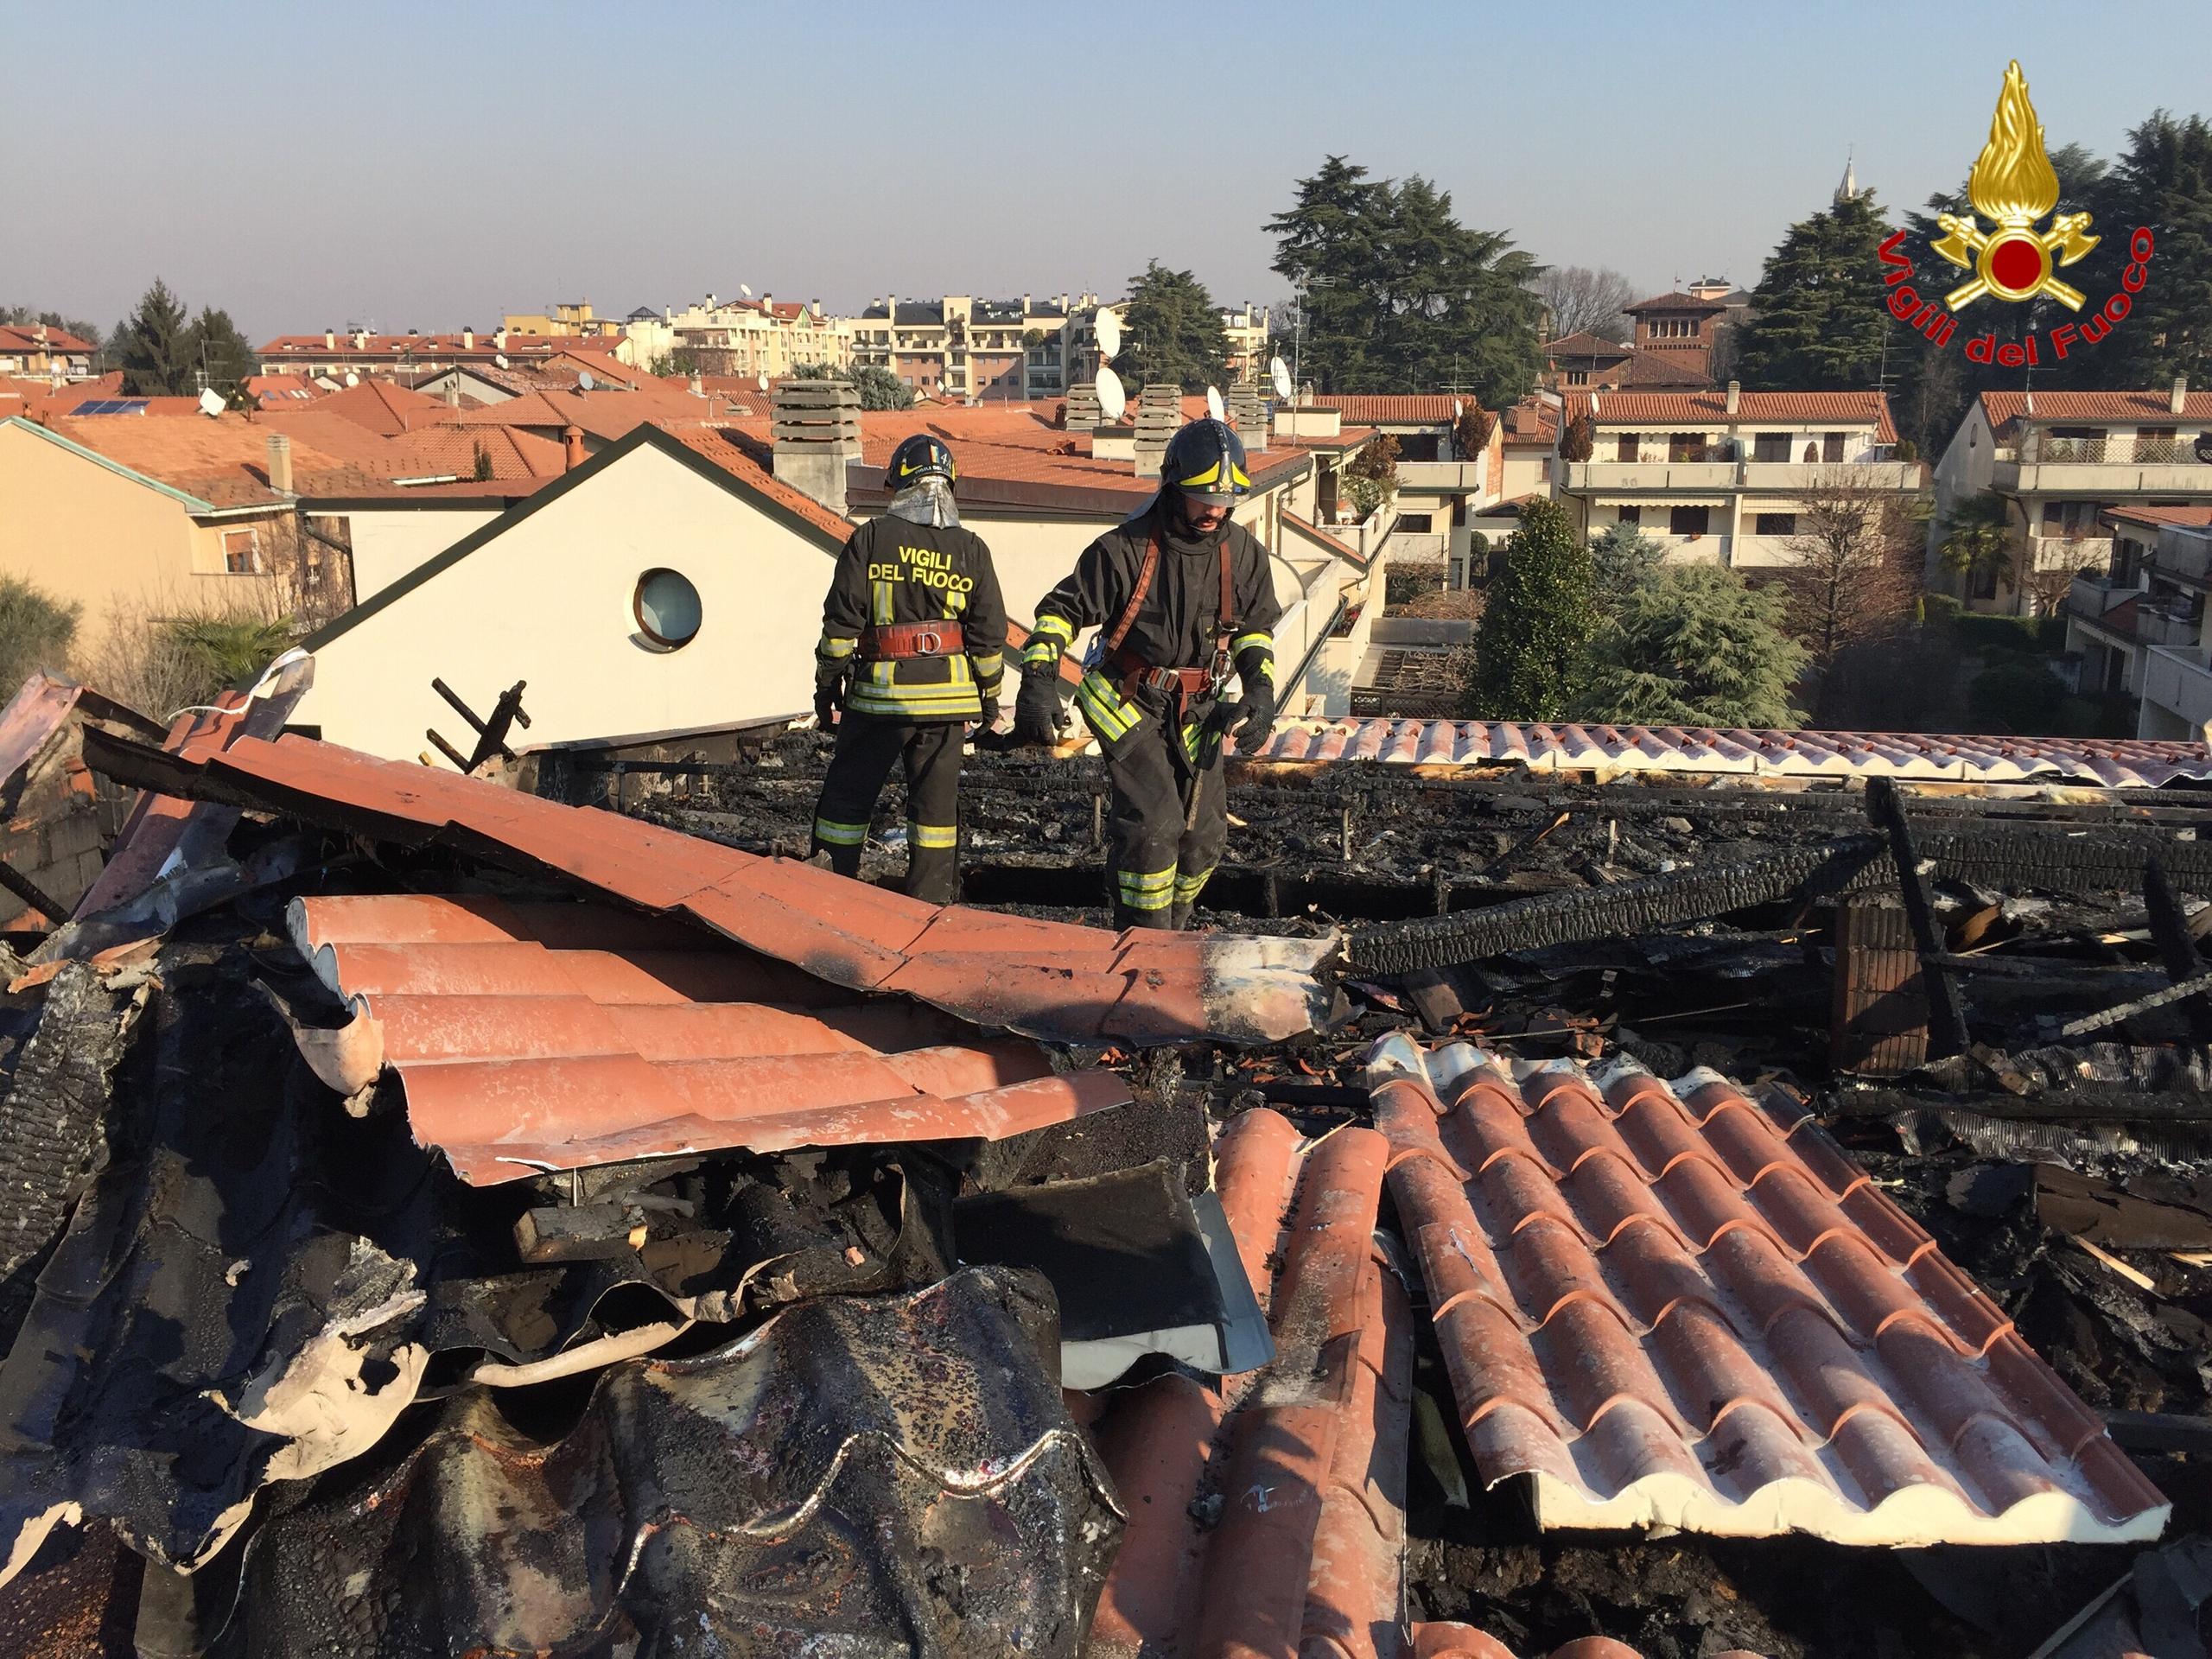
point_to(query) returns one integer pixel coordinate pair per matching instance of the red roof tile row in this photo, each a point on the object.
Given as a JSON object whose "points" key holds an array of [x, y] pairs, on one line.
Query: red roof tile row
{"points": [[535, 1037], [1047, 979], [1387, 410], [2123, 763], [2003, 410], [1753, 408], [1670, 1306], [38, 337], [2189, 518]]}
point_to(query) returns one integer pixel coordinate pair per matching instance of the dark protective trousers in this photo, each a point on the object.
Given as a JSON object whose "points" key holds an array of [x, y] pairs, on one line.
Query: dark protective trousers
{"points": [[1158, 854], [867, 746]]}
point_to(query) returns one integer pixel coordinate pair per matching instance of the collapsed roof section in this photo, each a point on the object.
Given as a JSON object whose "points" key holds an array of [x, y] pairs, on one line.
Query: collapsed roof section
{"points": [[2117, 763], [1049, 980], [1669, 1306], [537, 1037]]}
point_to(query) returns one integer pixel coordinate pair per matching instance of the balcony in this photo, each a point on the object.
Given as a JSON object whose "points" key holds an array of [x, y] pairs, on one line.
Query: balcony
{"points": [[2070, 552], [1445, 477], [1795, 475], [2179, 682], [2091, 597], [2177, 631], [1583, 477], [2103, 469]]}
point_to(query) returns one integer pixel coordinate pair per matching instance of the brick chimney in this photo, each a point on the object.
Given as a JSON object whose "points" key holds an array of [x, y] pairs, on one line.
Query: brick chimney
{"points": [[816, 430], [280, 463], [1735, 395], [2178, 399], [468, 340], [572, 447], [330, 339]]}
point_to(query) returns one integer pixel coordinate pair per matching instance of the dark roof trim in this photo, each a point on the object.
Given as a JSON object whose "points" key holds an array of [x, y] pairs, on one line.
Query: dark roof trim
{"points": [[638, 438]]}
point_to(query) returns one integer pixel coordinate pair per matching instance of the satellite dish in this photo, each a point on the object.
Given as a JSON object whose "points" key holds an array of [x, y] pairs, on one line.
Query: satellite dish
{"points": [[743, 290], [584, 382], [1112, 400], [1457, 409], [500, 358], [352, 379], [761, 381], [1213, 402], [211, 401], [1279, 372], [1109, 334]]}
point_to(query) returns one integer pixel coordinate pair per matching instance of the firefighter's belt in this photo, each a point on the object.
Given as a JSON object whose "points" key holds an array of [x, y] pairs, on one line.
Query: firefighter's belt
{"points": [[897, 641]]}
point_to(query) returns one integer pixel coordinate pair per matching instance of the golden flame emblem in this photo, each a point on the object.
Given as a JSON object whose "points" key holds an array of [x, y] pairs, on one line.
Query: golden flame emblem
{"points": [[2012, 183]]}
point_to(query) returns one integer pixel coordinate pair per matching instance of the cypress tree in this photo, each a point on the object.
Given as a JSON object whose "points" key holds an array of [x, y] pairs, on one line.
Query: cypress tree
{"points": [[1532, 645]]}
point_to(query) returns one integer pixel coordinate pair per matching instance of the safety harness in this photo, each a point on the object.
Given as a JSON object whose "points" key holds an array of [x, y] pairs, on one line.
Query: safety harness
{"points": [[902, 641], [1133, 672]]}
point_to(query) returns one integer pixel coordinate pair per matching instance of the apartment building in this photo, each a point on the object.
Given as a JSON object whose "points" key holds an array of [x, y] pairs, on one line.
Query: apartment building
{"points": [[1721, 477], [335, 355], [959, 348], [2062, 461], [33, 350], [755, 337], [2140, 624], [566, 317]]}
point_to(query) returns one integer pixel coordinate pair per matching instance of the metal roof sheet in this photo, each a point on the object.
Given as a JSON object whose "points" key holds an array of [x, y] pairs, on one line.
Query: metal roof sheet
{"points": [[1667, 1305], [1052, 980], [2113, 762], [533, 1037]]}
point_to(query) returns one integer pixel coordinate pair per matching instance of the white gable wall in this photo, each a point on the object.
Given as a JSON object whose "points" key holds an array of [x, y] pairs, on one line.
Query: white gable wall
{"points": [[549, 601]]}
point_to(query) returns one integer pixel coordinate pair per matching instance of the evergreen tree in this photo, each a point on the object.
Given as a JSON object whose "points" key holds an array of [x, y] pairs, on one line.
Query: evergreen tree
{"points": [[1400, 296], [2164, 182], [1621, 557], [154, 346], [880, 389], [1531, 647], [220, 355], [1820, 316], [1173, 332], [1979, 546], [1696, 645]]}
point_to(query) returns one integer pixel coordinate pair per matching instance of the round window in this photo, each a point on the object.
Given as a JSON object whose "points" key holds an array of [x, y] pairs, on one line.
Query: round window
{"points": [[667, 607]]}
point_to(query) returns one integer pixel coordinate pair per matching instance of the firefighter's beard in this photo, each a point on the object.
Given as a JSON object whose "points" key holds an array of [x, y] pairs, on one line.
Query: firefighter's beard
{"points": [[1192, 521]]}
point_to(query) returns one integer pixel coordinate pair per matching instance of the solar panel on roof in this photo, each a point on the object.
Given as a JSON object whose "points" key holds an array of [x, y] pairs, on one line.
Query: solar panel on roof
{"points": [[112, 406]]}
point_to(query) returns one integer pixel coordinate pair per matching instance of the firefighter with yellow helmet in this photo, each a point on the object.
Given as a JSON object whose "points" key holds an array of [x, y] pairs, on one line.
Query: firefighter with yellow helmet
{"points": [[1182, 597], [912, 650]]}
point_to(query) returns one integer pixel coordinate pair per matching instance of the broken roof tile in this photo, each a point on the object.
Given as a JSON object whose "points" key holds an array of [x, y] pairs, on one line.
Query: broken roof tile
{"points": [[2117, 763], [1671, 1306], [1053, 980], [533, 1037], [1308, 1555]]}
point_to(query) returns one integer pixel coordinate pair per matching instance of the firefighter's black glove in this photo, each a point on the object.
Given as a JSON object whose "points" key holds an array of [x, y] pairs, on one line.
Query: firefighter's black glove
{"points": [[1249, 719], [990, 717], [1036, 711], [828, 692]]}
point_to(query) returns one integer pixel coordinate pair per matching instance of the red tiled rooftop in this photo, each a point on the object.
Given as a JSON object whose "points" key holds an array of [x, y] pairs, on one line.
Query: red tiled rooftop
{"points": [[1670, 1306], [529, 1037], [223, 462], [2187, 517], [2003, 410], [1048, 979], [27, 337], [1675, 302], [1586, 343], [1753, 408], [729, 451], [485, 345], [2113, 762], [382, 406], [1391, 409]]}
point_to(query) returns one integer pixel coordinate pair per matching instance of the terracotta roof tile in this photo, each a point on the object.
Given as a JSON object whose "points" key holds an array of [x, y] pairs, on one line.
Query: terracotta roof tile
{"points": [[1532, 421], [1393, 409], [2003, 410], [1669, 1304], [1047, 979], [529, 1037], [380, 405], [2187, 517], [481, 345], [34, 337], [2113, 762], [1753, 408], [223, 462], [729, 451], [1586, 343]]}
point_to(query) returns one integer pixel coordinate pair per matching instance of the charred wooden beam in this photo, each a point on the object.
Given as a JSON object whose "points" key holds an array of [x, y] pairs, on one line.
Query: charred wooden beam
{"points": [[1947, 1014], [2177, 950], [1632, 907], [2087, 1104], [2199, 985], [31, 893]]}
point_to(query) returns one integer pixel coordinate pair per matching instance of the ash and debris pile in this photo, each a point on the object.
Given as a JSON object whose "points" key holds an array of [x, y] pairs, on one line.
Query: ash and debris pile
{"points": [[563, 1274]]}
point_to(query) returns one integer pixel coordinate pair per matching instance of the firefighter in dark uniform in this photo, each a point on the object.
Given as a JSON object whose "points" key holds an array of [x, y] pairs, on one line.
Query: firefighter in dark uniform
{"points": [[913, 640], [1180, 595]]}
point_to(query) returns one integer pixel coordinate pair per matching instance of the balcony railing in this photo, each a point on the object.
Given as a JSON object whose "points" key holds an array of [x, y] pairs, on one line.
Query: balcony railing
{"points": [[2178, 632], [2179, 681], [2090, 597], [2073, 451], [2162, 452]]}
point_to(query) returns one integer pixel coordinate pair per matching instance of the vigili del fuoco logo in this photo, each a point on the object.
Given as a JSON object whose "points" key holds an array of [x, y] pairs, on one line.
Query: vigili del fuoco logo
{"points": [[2018, 258]]}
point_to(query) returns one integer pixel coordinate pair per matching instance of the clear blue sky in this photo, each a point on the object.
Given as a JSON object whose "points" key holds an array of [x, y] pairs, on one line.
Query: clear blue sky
{"points": [[431, 165]]}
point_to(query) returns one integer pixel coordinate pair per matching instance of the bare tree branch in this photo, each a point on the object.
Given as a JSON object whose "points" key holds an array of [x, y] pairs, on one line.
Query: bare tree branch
{"points": [[1585, 300], [1854, 566]]}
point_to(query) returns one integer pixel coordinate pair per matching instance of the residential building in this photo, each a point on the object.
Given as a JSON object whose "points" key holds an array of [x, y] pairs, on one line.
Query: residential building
{"points": [[1721, 477], [1441, 490], [960, 347], [2140, 626], [573, 318], [36, 351], [766, 336], [1682, 329], [1591, 362], [668, 583], [356, 352], [2061, 459], [116, 515]]}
